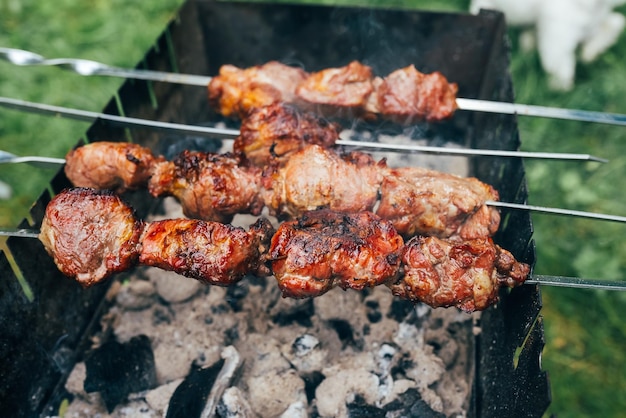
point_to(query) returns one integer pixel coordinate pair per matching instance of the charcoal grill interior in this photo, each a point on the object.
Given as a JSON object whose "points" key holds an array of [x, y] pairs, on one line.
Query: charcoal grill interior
{"points": [[42, 339]]}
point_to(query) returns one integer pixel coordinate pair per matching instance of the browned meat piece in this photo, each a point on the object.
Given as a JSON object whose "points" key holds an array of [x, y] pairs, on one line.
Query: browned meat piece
{"points": [[324, 248], [274, 132], [214, 253], [117, 166], [344, 87], [235, 91], [90, 234], [407, 95], [347, 86], [465, 274], [315, 177], [211, 187], [425, 202]]}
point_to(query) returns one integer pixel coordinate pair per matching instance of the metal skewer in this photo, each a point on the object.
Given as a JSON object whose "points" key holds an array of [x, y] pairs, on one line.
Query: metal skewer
{"points": [[94, 68], [559, 281], [45, 162], [227, 134]]}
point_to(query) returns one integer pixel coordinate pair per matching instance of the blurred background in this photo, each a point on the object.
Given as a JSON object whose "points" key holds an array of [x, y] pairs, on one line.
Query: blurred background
{"points": [[585, 351]]}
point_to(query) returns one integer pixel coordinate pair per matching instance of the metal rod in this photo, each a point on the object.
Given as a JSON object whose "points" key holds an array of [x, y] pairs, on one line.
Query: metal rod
{"points": [[227, 134], [94, 68], [88, 116], [557, 211], [558, 281], [576, 282]]}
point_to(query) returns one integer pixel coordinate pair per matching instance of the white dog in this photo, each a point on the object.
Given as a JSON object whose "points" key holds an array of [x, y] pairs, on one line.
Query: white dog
{"points": [[562, 26]]}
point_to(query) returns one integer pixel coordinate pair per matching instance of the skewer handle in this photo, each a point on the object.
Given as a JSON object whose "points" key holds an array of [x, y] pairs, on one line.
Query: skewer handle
{"points": [[94, 68], [541, 111]]}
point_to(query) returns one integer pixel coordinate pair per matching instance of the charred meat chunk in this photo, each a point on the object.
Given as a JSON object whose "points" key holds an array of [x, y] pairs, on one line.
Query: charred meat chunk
{"points": [[118, 166], [214, 253], [466, 274], [325, 248], [211, 187], [90, 234]]}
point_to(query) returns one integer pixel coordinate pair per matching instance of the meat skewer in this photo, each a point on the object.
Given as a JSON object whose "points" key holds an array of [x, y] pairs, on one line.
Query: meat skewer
{"points": [[470, 254], [203, 183], [92, 234], [215, 187], [93, 68], [230, 134]]}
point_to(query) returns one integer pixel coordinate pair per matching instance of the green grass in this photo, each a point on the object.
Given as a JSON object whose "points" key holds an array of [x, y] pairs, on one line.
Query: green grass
{"points": [[585, 330]]}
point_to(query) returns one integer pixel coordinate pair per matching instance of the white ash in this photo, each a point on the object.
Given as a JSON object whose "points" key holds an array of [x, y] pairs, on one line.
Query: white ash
{"points": [[453, 164], [234, 404]]}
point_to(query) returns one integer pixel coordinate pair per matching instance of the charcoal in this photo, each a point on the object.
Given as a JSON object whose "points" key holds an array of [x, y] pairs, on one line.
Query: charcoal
{"points": [[411, 404], [235, 295], [298, 314], [374, 314], [116, 370], [311, 382], [190, 396], [359, 410]]}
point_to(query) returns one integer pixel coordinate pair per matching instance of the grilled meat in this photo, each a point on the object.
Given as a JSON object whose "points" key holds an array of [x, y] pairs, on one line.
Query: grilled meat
{"points": [[90, 234], [465, 274], [274, 132], [347, 87], [421, 201], [209, 186], [117, 166], [404, 95], [214, 253], [215, 187], [407, 94], [325, 248], [235, 91], [316, 177]]}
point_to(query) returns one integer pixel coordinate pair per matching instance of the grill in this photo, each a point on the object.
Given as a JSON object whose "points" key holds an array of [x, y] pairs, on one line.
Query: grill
{"points": [[42, 340]]}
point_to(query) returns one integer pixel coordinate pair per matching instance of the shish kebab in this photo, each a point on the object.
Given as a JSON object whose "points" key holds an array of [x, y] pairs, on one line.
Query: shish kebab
{"points": [[93, 68], [270, 133], [231, 134], [93, 234]]}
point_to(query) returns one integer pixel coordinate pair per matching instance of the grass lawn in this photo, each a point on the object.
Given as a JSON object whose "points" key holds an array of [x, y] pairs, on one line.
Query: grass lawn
{"points": [[585, 330]]}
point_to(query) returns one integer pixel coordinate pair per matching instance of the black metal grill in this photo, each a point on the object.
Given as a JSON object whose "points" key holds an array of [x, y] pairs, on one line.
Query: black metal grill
{"points": [[42, 339]]}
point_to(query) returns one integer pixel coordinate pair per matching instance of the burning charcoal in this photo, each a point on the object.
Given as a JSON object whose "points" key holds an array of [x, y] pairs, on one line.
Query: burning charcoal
{"points": [[116, 370], [299, 312], [236, 294], [359, 409], [411, 404], [190, 396], [345, 333], [400, 309], [373, 311], [158, 398], [306, 354], [234, 405], [336, 391], [304, 344], [311, 382]]}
